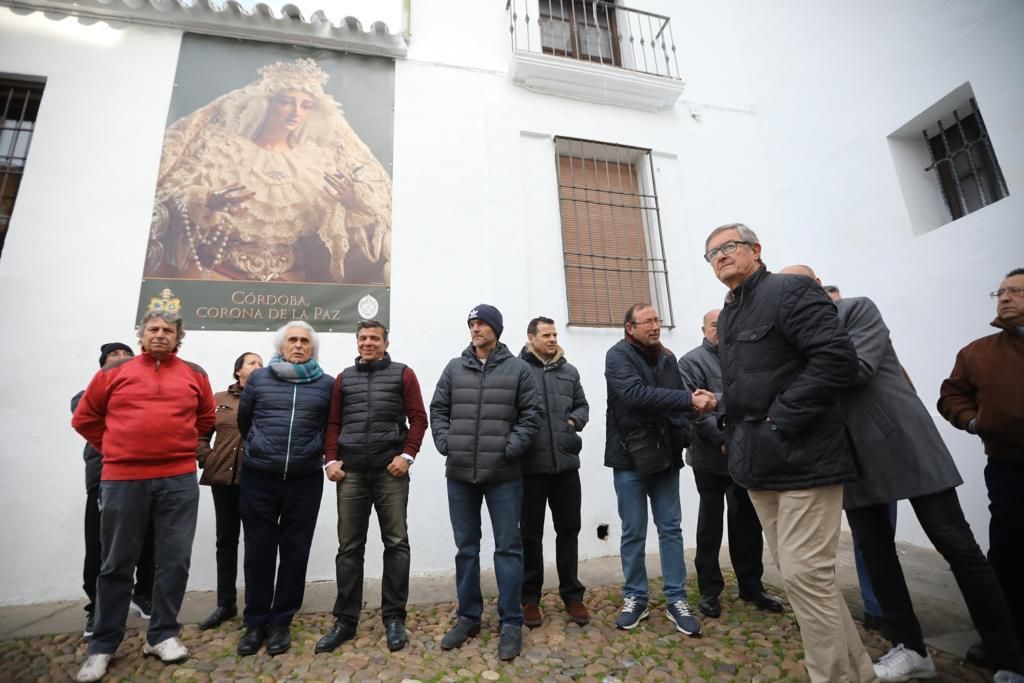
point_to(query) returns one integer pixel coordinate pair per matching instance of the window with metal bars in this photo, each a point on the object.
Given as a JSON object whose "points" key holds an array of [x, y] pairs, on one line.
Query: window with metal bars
{"points": [[611, 232], [965, 162], [580, 29], [19, 102]]}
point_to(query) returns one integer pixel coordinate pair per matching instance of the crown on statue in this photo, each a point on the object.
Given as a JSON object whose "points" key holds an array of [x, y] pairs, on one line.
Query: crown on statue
{"points": [[300, 74]]}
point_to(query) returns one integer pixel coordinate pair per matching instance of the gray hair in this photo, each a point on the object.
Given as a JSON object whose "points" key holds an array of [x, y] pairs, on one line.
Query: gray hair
{"points": [[168, 317], [282, 332], [746, 233]]}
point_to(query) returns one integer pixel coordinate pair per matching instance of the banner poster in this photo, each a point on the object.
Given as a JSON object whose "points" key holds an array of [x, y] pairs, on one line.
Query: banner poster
{"points": [[273, 199]]}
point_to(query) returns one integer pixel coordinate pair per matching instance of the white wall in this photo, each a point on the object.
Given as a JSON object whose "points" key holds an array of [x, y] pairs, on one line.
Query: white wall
{"points": [[791, 131]]}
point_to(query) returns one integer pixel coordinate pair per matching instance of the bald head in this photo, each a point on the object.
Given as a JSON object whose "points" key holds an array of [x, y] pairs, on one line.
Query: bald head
{"points": [[800, 270], [709, 328]]}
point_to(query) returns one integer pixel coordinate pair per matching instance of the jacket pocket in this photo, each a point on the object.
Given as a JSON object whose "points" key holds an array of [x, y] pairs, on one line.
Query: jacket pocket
{"points": [[768, 453], [569, 441]]}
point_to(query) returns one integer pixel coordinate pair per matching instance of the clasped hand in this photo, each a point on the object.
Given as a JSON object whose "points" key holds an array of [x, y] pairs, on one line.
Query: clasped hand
{"points": [[704, 402]]}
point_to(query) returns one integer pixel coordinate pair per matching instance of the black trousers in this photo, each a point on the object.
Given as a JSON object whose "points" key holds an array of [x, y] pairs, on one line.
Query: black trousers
{"points": [[943, 521], [746, 543], [229, 525], [563, 494], [1005, 481], [93, 552], [278, 518]]}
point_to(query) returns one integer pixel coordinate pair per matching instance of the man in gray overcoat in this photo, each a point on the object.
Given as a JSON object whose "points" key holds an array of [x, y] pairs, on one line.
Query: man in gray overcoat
{"points": [[901, 455]]}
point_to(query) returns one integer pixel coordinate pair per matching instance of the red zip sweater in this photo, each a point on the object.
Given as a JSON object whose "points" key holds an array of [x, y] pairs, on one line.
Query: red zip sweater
{"points": [[145, 416]]}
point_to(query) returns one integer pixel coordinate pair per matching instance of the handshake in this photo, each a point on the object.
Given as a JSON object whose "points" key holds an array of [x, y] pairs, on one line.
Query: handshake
{"points": [[704, 402]]}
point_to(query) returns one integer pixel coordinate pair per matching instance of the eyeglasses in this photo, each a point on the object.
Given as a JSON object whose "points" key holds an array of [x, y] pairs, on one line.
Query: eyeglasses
{"points": [[1014, 291], [649, 321], [725, 248]]}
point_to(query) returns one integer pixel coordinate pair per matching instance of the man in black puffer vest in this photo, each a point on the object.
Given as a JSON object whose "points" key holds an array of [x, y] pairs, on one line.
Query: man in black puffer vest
{"points": [[484, 415], [785, 359], [374, 431], [552, 474]]}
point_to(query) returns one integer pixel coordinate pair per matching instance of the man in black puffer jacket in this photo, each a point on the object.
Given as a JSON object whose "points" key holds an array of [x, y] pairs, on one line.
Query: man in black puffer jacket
{"points": [[282, 416], [552, 474], [785, 357], [484, 414]]}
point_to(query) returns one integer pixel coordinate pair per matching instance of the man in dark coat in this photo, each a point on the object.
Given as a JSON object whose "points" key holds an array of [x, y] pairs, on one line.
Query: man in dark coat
{"points": [[902, 456], [984, 395], [646, 430], [706, 456], [785, 357], [483, 417], [551, 474]]}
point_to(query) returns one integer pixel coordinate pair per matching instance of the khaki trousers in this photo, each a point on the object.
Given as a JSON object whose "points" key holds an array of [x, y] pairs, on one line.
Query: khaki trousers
{"points": [[802, 531]]}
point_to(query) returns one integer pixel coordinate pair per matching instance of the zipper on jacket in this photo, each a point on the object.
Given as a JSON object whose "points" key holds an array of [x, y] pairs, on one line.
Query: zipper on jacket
{"points": [[547, 416], [479, 412], [156, 371], [291, 423]]}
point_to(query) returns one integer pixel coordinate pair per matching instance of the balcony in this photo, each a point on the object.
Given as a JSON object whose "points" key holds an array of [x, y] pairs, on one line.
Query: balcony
{"points": [[594, 50]]}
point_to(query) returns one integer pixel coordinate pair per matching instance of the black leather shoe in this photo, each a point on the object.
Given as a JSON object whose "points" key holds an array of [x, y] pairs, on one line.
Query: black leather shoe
{"points": [[710, 606], [218, 617], [397, 637], [765, 601], [279, 639], [510, 644], [977, 655], [463, 630], [252, 640], [338, 634]]}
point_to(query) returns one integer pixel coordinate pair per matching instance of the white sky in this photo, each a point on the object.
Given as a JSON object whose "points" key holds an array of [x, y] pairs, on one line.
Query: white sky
{"points": [[367, 11]]}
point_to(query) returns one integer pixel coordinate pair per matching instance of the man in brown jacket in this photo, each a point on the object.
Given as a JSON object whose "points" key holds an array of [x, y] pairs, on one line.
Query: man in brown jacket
{"points": [[984, 395]]}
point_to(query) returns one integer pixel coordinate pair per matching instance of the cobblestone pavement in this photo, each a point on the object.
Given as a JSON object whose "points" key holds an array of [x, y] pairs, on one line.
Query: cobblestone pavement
{"points": [[743, 645]]}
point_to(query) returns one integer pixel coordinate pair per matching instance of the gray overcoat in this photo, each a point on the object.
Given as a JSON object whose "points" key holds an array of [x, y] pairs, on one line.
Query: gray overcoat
{"points": [[898, 447]]}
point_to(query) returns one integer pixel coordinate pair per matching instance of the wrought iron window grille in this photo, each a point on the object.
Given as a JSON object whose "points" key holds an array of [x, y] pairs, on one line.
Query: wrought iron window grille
{"points": [[19, 104]]}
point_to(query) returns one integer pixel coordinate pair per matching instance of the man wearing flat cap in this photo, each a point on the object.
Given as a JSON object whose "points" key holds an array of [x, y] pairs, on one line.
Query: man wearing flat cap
{"points": [[483, 417]]}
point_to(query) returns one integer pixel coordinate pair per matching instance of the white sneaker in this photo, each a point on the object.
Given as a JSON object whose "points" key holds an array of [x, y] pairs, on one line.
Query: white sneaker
{"points": [[901, 664], [169, 651], [94, 669], [1004, 676]]}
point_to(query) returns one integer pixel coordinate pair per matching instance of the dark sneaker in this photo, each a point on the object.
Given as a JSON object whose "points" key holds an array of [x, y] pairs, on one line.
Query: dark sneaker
{"points": [[633, 610], [90, 623], [396, 636], [510, 644], [143, 604], [463, 630], [532, 615], [578, 612], [678, 613], [709, 606], [338, 634]]}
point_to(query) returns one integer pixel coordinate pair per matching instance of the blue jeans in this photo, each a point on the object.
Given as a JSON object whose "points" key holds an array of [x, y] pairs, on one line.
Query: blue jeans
{"points": [[171, 505], [632, 492], [504, 505]]}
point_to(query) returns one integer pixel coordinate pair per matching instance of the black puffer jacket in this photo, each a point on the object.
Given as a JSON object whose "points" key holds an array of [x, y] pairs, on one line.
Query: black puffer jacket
{"points": [[557, 445], [483, 417], [93, 458], [282, 423], [373, 422], [785, 357], [701, 370], [644, 392]]}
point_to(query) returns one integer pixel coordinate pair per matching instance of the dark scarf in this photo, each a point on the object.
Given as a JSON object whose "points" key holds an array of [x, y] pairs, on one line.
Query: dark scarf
{"points": [[296, 373], [651, 352]]}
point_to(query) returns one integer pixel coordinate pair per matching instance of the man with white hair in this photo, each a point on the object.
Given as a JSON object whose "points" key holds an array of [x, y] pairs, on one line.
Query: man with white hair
{"points": [[282, 416], [145, 414]]}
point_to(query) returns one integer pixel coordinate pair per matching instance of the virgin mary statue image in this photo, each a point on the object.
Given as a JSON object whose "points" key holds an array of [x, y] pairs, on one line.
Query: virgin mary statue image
{"points": [[270, 183]]}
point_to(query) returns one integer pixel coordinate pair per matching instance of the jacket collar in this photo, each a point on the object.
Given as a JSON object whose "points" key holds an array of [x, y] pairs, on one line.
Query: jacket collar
{"points": [[149, 359], [498, 355], [532, 358], [709, 347], [373, 365], [1007, 327], [747, 286]]}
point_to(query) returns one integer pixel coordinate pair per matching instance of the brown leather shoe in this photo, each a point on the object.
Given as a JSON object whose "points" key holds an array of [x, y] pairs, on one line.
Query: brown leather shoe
{"points": [[578, 612], [532, 616]]}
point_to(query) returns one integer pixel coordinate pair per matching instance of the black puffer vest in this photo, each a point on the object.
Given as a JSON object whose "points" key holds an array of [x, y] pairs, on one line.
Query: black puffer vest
{"points": [[373, 422]]}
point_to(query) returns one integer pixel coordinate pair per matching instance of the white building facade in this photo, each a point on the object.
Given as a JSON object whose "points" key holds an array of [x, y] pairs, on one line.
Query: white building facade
{"points": [[802, 119]]}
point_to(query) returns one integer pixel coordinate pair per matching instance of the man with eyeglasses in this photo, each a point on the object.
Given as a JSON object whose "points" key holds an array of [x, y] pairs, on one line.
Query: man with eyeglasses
{"points": [[902, 456], [646, 430], [984, 395], [785, 357]]}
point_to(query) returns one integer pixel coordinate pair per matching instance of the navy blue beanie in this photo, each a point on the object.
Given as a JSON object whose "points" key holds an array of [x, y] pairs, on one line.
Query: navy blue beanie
{"points": [[490, 315], [107, 349]]}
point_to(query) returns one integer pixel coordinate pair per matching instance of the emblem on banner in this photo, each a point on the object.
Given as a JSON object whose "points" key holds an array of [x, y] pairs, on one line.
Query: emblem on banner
{"points": [[368, 307], [165, 302]]}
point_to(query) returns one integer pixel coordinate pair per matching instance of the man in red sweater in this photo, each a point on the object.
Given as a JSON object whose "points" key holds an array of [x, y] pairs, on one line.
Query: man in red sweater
{"points": [[145, 414], [984, 395]]}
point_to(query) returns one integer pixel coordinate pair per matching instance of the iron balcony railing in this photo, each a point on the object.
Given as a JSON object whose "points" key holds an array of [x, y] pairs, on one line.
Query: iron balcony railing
{"points": [[595, 31]]}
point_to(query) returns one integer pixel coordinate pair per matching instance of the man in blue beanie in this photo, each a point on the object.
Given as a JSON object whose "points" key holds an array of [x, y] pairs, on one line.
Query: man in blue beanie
{"points": [[484, 415]]}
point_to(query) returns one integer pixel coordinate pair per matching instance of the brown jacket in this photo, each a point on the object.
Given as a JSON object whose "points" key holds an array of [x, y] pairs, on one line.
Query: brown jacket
{"points": [[986, 386], [220, 464]]}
